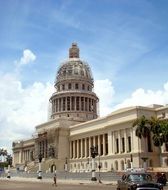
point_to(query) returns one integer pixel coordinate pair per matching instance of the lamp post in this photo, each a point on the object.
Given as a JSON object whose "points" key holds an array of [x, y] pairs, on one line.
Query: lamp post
{"points": [[99, 166], [125, 164], [87, 164], [9, 161], [39, 171], [66, 167], [131, 162], [94, 153]]}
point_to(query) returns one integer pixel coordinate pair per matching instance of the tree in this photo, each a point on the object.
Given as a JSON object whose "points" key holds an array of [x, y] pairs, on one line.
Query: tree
{"points": [[142, 131], [156, 129], [3, 152]]}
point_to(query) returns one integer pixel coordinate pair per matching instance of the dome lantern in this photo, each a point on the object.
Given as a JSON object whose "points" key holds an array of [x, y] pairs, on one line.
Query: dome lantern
{"points": [[74, 51]]}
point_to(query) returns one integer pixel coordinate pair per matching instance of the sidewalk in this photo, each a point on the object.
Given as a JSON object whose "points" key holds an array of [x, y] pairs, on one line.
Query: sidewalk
{"points": [[63, 181]]}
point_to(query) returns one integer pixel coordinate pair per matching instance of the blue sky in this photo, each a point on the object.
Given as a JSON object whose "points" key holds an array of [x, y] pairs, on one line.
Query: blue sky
{"points": [[125, 42]]}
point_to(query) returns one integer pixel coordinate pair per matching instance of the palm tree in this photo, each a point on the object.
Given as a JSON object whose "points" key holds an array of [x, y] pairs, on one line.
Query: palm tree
{"points": [[142, 131], [159, 128]]}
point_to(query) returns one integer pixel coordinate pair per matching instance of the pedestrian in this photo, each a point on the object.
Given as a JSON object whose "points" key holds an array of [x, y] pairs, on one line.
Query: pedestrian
{"points": [[55, 180]]}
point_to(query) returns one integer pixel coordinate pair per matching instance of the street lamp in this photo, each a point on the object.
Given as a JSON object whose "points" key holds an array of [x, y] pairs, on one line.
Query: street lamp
{"points": [[94, 153], [99, 166], [66, 166], [131, 162], [39, 171], [9, 161]]}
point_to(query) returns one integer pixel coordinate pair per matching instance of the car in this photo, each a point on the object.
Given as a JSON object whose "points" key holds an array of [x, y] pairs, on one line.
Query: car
{"points": [[138, 181]]}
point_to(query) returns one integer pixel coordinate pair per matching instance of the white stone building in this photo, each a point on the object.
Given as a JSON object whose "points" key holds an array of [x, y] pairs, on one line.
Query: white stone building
{"points": [[74, 127]]}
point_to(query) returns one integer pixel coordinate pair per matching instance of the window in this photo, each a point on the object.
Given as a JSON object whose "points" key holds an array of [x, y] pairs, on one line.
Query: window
{"points": [[123, 145], [68, 103], [63, 87], [83, 87], [77, 103], [76, 86], [106, 143], [117, 146], [129, 144], [82, 104], [63, 104], [69, 86]]}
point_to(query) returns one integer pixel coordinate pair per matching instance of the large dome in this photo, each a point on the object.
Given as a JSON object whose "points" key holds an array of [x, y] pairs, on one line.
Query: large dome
{"points": [[74, 97], [74, 68]]}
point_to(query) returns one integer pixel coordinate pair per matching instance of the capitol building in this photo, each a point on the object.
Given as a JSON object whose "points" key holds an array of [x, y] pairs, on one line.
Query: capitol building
{"points": [[75, 126]]}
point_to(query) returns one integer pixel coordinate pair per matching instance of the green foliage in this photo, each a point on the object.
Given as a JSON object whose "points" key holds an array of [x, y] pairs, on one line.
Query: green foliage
{"points": [[157, 126], [3, 164], [142, 129]]}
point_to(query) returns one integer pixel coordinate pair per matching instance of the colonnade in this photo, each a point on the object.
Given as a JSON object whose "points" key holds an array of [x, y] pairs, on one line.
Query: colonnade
{"points": [[113, 142], [74, 103], [26, 155], [81, 148]]}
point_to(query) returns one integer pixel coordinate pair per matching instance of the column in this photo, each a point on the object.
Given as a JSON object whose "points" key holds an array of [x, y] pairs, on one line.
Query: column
{"points": [[119, 142], [74, 151], [84, 104], [85, 147], [104, 148], [81, 148], [88, 104], [58, 105], [109, 142], [70, 103], [126, 140], [113, 143], [99, 144], [89, 146], [94, 141], [77, 148], [70, 149]]}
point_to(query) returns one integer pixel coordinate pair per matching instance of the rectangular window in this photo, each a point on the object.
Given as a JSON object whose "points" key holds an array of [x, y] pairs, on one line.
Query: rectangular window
{"points": [[77, 103], [129, 144], [82, 103], [117, 146], [79, 148], [76, 86], [68, 103], [63, 104], [123, 145], [101, 144]]}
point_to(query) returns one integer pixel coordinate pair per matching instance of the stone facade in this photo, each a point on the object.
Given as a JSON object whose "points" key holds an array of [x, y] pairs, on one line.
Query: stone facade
{"points": [[74, 127]]}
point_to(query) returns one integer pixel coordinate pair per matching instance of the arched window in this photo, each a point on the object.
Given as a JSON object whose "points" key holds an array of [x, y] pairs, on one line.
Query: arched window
{"points": [[105, 165], [122, 165], [116, 165]]}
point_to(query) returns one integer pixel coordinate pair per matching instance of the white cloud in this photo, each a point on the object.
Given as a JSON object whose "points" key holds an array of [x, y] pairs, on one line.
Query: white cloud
{"points": [[105, 92], [28, 56], [143, 98], [21, 108]]}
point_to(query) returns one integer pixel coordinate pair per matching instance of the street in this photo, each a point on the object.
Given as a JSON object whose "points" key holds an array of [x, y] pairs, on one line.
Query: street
{"points": [[21, 185]]}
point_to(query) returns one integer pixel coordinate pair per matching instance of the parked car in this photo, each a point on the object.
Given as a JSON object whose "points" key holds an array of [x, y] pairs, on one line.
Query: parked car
{"points": [[138, 181]]}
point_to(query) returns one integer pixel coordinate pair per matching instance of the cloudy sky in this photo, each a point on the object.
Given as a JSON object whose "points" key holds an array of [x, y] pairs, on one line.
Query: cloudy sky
{"points": [[124, 41]]}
